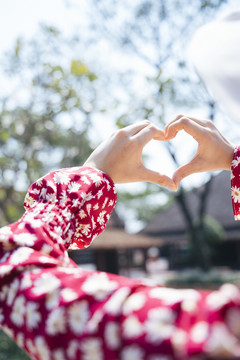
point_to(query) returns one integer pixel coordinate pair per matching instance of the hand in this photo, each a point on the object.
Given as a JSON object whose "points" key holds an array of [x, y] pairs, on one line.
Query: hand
{"points": [[214, 151], [121, 155]]}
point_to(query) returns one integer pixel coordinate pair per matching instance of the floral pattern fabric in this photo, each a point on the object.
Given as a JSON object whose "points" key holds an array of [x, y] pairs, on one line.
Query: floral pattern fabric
{"points": [[235, 183], [58, 311]]}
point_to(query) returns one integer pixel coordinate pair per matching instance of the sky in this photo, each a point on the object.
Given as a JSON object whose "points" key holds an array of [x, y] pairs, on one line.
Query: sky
{"points": [[22, 18]]}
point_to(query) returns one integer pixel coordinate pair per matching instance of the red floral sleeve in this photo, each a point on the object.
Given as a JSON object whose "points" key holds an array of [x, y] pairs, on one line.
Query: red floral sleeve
{"points": [[235, 183], [85, 198]]}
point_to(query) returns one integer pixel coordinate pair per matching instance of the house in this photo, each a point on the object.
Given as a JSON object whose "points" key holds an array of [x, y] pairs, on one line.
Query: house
{"points": [[170, 224], [115, 249]]}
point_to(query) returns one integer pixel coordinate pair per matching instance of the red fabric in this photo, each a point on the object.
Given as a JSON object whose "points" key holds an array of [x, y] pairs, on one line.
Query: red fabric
{"points": [[235, 183], [58, 311]]}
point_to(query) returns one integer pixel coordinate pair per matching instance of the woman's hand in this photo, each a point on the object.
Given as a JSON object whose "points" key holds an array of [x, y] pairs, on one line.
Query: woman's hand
{"points": [[214, 152], [121, 155]]}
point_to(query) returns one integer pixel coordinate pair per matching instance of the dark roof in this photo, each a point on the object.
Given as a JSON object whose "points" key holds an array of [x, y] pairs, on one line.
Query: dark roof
{"points": [[171, 222]]}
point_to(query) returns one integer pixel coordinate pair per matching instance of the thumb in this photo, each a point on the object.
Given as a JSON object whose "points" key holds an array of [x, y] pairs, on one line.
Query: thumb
{"points": [[186, 170], [157, 178]]}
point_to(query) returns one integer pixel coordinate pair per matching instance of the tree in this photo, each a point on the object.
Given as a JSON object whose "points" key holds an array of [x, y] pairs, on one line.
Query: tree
{"points": [[45, 114], [154, 35]]}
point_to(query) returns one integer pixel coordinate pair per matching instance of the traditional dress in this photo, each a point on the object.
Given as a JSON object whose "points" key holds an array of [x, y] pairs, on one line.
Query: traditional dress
{"points": [[58, 311]]}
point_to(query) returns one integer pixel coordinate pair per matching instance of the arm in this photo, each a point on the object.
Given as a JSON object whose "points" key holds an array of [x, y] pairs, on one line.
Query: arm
{"points": [[85, 196]]}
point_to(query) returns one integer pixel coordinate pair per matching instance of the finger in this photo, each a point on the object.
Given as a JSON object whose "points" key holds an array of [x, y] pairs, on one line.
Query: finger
{"points": [[157, 178], [191, 127], [148, 133], [185, 170], [204, 123], [133, 129]]}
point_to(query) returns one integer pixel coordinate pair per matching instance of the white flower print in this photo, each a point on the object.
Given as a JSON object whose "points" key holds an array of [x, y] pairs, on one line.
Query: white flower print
{"points": [[132, 327], [4, 293], [58, 354], [199, 332], [93, 323], [12, 291], [97, 180], [56, 322], [84, 229], [47, 260], [179, 340], [67, 214], [45, 283], [43, 193], [51, 197], [86, 197], [68, 294], [99, 194], [93, 223], [96, 207], [236, 162], [172, 296], [29, 201], [78, 315], [26, 282], [17, 314], [5, 231], [92, 349], [5, 269], [42, 348], [20, 255], [159, 325], [20, 339], [35, 223], [63, 197], [48, 217], [108, 184], [100, 218], [134, 302], [82, 214], [215, 343], [24, 239], [76, 203], [52, 299], [111, 203], [114, 305], [132, 352], [46, 249], [30, 346], [99, 286], [112, 335], [73, 187], [72, 349], [61, 178], [58, 230], [52, 185], [85, 180], [235, 194]]}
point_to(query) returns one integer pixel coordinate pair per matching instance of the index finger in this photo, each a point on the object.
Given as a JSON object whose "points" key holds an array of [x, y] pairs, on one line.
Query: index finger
{"points": [[148, 133], [192, 127]]}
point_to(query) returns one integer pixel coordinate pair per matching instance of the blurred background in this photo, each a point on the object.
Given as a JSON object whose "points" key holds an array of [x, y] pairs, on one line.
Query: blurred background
{"points": [[71, 73]]}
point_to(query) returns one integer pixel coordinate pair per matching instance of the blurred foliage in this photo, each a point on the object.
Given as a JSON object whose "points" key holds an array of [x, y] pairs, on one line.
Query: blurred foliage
{"points": [[45, 114], [9, 349]]}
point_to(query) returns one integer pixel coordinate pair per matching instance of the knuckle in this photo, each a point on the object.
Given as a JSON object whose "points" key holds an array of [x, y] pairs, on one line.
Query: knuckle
{"points": [[185, 121]]}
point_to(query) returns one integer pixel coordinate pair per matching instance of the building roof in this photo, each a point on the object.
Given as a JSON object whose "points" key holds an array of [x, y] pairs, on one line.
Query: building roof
{"points": [[171, 223]]}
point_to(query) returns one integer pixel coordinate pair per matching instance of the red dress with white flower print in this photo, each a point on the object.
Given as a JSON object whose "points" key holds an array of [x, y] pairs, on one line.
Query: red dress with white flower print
{"points": [[58, 311]]}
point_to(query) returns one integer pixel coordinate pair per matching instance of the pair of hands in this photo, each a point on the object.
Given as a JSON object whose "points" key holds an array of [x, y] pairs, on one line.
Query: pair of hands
{"points": [[120, 156]]}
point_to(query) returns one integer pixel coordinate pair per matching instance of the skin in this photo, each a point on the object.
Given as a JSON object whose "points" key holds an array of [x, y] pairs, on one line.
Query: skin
{"points": [[214, 151], [120, 156]]}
